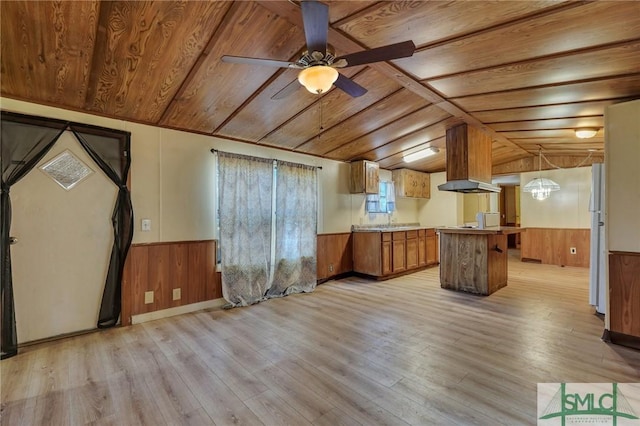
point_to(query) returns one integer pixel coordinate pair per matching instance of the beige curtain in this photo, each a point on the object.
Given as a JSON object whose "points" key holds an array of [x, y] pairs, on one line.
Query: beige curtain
{"points": [[296, 230], [245, 192]]}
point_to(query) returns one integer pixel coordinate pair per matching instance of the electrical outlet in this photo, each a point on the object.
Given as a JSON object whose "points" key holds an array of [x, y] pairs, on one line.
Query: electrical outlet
{"points": [[331, 267], [573, 250], [148, 297], [177, 294], [146, 225]]}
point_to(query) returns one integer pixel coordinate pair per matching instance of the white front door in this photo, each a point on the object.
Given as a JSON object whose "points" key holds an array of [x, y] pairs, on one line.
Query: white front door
{"points": [[64, 242]]}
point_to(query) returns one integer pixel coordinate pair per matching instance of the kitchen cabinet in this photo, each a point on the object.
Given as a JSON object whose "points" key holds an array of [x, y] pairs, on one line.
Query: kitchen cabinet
{"points": [[364, 177], [386, 254], [431, 244], [412, 249], [409, 183], [422, 247], [399, 252]]}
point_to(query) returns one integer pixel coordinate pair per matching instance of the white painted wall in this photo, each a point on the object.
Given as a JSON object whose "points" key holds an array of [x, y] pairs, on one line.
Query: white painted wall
{"points": [[566, 208], [444, 208]]}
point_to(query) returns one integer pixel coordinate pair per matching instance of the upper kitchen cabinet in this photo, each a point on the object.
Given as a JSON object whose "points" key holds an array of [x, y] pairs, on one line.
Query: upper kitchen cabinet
{"points": [[364, 177], [409, 183]]}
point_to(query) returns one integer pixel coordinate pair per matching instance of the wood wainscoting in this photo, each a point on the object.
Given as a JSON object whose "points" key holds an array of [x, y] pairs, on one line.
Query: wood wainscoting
{"points": [[624, 294], [334, 255], [553, 246], [163, 267]]}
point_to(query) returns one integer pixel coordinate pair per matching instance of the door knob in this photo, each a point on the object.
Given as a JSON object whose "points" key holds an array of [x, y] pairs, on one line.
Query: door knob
{"points": [[13, 240]]}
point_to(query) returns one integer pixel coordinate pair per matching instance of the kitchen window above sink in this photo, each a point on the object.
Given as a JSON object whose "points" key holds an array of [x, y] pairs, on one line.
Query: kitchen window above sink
{"points": [[382, 202]]}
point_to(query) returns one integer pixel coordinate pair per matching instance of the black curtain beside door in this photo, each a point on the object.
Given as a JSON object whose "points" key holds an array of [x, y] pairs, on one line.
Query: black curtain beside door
{"points": [[111, 152], [25, 141]]}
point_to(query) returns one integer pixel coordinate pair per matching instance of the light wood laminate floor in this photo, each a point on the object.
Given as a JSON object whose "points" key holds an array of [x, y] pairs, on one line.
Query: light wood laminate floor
{"points": [[354, 352]]}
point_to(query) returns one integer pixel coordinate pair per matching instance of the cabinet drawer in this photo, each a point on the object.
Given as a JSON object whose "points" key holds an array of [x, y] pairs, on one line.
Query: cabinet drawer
{"points": [[412, 234], [386, 236], [430, 232], [399, 236], [421, 232]]}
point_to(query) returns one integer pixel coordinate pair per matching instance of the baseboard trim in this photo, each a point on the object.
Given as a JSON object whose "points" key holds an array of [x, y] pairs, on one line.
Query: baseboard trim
{"points": [[621, 339], [178, 310], [335, 277]]}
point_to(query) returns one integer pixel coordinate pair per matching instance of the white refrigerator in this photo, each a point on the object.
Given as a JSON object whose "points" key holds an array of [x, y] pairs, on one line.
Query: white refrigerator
{"points": [[598, 253]]}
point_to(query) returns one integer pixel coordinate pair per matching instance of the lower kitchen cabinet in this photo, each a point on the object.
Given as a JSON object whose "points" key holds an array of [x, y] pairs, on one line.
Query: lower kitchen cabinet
{"points": [[412, 249], [432, 249], [381, 254], [386, 253], [399, 254]]}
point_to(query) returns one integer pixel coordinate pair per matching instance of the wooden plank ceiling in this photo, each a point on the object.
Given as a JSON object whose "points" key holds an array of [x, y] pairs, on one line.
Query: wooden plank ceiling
{"points": [[527, 72]]}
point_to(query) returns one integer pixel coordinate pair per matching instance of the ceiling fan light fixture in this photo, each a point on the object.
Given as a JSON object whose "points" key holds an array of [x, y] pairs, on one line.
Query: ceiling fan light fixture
{"points": [[586, 133], [424, 153], [318, 79]]}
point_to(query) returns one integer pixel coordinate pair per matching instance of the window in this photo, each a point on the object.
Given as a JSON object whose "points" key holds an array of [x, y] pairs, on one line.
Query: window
{"points": [[382, 202]]}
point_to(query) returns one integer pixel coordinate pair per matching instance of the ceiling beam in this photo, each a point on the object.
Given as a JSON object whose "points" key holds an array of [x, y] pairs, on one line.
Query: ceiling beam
{"points": [[530, 164], [291, 12]]}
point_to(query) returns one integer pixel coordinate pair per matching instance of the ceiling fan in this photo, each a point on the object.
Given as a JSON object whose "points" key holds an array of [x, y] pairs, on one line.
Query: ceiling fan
{"points": [[318, 64]]}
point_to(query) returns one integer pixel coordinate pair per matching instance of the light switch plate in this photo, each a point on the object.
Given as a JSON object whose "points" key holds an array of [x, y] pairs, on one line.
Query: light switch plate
{"points": [[148, 297], [177, 294], [146, 225]]}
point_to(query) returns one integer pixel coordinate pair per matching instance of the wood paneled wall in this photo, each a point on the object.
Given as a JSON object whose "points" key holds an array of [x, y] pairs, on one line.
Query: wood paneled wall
{"points": [[163, 267], [553, 245], [624, 293], [334, 255]]}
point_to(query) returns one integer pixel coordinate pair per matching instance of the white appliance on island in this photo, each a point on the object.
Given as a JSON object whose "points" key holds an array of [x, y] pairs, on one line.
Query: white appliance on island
{"points": [[488, 220], [598, 254]]}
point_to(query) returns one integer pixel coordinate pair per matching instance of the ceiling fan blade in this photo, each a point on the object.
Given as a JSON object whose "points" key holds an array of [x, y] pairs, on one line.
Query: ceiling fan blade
{"points": [[315, 18], [383, 53], [259, 61], [349, 86], [287, 90]]}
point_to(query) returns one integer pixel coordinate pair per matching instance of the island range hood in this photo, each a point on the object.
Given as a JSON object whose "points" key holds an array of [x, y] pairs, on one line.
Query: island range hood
{"points": [[468, 186], [468, 161]]}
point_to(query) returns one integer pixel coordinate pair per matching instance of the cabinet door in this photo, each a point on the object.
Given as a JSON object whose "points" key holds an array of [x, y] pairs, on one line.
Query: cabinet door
{"points": [[371, 177], [399, 256], [422, 250], [431, 250], [386, 257], [412, 253], [425, 185], [624, 293], [411, 184]]}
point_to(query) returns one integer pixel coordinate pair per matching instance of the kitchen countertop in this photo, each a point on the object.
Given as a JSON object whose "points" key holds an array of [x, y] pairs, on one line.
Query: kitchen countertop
{"points": [[501, 230], [396, 227]]}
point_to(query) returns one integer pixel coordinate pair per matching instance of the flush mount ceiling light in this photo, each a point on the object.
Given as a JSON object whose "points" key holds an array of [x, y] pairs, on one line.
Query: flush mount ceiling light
{"points": [[408, 158], [318, 79], [541, 188], [586, 133]]}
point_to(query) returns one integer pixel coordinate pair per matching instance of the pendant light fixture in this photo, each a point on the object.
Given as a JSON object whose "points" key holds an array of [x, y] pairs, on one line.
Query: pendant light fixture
{"points": [[541, 188]]}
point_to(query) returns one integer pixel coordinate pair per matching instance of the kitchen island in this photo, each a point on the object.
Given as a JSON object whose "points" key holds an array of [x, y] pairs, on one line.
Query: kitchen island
{"points": [[474, 260]]}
